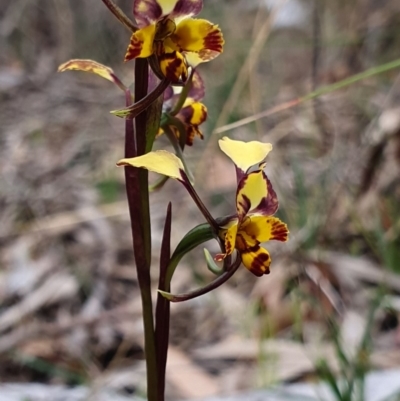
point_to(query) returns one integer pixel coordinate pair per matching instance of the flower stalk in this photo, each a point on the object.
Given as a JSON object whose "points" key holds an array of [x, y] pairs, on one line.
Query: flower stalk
{"points": [[136, 182], [120, 15]]}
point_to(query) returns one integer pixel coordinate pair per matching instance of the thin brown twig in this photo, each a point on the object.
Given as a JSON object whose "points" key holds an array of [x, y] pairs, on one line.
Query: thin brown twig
{"points": [[120, 15]]}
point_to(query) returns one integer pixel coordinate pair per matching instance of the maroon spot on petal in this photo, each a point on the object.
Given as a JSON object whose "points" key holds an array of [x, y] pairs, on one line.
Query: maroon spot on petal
{"points": [[214, 41], [243, 200], [241, 244], [245, 203], [279, 231], [268, 205], [185, 114], [191, 132], [172, 66], [229, 247], [260, 264], [133, 50]]}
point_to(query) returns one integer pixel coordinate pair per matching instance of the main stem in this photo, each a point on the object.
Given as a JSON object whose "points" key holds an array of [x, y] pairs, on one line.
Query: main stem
{"points": [[137, 192]]}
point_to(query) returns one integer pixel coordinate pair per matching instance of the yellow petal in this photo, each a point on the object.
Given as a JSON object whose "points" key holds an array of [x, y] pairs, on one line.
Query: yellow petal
{"points": [[244, 154], [230, 238], [257, 260], [252, 191], [244, 241], [227, 223], [193, 59], [167, 5], [88, 66], [199, 36], [194, 113], [160, 161], [264, 228], [228, 234], [141, 44]]}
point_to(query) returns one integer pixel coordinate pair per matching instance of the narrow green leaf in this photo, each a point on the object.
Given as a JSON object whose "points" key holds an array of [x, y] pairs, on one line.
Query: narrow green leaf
{"points": [[166, 295], [211, 264], [196, 236]]}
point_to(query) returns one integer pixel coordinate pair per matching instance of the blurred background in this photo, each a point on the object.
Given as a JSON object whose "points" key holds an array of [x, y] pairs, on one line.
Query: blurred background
{"points": [[69, 298]]}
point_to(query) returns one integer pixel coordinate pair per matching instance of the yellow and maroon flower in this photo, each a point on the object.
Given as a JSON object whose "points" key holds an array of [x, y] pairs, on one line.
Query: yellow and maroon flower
{"points": [[256, 203], [167, 30], [193, 112]]}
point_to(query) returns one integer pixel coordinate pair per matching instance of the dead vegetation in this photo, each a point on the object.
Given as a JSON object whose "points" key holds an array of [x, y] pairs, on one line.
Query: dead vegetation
{"points": [[69, 302]]}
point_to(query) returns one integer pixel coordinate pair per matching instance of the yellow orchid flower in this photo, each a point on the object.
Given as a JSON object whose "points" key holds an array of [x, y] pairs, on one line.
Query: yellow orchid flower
{"points": [[256, 201], [193, 113], [167, 30]]}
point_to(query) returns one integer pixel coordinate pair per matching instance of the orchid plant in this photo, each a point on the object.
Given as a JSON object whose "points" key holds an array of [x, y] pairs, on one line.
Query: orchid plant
{"points": [[167, 45]]}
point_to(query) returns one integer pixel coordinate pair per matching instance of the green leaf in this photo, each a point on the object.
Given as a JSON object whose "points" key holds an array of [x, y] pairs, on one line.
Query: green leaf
{"points": [[166, 295], [196, 236], [212, 266]]}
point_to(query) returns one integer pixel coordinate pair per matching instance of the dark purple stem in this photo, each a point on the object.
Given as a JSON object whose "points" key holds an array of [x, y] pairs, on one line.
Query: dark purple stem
{"points": [[207, 215], [137, 193], [163, 307], [209, 287]]}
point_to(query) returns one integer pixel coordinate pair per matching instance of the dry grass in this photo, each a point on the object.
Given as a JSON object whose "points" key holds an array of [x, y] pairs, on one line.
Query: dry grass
{"points": [[70, 308]]}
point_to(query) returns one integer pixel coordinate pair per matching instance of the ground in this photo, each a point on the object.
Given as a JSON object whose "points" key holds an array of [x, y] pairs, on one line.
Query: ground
{"points": [[70, 308]]}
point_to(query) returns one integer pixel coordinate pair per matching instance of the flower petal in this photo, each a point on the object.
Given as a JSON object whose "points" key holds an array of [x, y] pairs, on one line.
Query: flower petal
{"points": [[199, 36], [160, 161], [268, 205], [251, 193], [89, 66], [257, 260], [230, 240], [167, 6], [147, 12], [173, 66], [141, 44], [194, 113], [264, 228], [191, 132], [197, 91], [192, 116], [168, 94], [186, 8], [244, 154]]}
